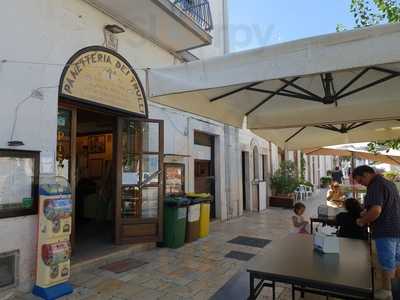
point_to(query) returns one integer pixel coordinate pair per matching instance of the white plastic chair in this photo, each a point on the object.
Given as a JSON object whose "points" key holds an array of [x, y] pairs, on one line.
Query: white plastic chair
{"points": [[309, 191], [300, 193]]}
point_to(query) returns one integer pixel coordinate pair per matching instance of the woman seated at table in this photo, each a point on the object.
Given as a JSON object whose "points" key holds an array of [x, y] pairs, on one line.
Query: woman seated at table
{"points": [[335, 196], [346, 221]]}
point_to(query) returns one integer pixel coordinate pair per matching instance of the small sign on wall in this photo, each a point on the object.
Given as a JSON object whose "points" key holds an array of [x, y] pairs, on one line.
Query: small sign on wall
{"points": [[47, 163]]}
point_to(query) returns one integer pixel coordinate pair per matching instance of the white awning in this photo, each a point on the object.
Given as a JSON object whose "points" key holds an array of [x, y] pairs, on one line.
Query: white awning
{"points": [[355, 73]]}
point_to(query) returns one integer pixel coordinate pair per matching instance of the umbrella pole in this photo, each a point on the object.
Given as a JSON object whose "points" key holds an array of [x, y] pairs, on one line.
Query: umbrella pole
{"points": [[352, 169]]}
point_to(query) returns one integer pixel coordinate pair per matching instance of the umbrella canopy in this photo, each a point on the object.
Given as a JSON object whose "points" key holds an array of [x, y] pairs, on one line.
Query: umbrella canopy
{"points": [[328, 135], [341, 78], [348, 152]]}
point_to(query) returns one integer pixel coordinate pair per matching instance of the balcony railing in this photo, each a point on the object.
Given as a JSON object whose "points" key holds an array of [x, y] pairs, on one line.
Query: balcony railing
{"points": [[198, 10]]}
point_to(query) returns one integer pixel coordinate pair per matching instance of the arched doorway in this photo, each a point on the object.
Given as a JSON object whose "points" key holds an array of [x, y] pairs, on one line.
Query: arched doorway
{"points": [[109, 150]]}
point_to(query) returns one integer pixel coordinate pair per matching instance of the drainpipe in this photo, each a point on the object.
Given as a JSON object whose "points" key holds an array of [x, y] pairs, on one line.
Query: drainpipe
{"points": [[225, 25], [353, 163]]}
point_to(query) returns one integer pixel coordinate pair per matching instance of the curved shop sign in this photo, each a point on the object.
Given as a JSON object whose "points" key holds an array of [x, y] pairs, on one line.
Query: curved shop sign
{"points": [[99, 75]]}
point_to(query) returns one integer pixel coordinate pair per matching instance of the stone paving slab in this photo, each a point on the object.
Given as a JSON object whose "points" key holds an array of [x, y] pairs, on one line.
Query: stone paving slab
{"points": [[195, 271]]}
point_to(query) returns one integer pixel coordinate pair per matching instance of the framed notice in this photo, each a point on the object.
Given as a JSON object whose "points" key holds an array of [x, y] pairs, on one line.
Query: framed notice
{"points": [[97, 144], [19, 180]]}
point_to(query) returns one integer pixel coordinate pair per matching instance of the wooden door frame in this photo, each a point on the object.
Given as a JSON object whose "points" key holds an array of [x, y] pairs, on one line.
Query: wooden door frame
{"points": [[117, 166], [72, 167], [74, 106], [119, 221]]}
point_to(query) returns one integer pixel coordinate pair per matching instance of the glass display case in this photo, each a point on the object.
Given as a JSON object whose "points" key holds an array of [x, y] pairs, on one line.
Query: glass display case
{"points": [[19, 178]]}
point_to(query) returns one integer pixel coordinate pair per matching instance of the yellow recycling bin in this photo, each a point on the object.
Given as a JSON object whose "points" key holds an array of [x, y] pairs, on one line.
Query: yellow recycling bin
{"points": [[204, 219]]}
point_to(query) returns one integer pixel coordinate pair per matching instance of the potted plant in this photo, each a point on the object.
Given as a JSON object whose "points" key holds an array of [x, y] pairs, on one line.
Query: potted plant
{"points": [[325, 181], [283, 184]]}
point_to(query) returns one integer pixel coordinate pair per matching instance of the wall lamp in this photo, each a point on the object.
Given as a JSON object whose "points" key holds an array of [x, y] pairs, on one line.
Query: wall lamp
{"points": [[36, 94], [113, 28]]}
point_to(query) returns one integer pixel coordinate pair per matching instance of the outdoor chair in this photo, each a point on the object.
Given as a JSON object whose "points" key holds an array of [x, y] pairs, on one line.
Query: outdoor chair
{"points": [[309, 191], [300, 193]]}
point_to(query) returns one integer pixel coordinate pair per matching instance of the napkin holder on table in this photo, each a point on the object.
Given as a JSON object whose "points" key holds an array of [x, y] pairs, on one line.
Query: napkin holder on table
{"points": [[326, 241]]}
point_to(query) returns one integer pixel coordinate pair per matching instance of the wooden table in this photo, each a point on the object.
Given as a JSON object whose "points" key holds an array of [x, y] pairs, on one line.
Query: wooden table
{"points": [[293, 261]]}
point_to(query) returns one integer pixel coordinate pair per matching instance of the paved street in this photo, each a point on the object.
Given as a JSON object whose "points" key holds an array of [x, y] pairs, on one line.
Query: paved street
{"points": [[195, 271]]}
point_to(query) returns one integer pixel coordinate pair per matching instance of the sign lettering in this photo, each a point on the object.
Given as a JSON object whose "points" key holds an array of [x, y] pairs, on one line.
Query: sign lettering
{"points": [[100, 76]]}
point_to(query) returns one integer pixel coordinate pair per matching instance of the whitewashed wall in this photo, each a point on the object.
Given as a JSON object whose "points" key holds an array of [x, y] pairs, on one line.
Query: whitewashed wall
{"points": [[219, 43], [47, 31], [179, 128]]}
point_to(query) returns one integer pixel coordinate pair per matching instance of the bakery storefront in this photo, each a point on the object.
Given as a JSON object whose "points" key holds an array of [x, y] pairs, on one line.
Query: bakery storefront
{"points": [[109, 150]]}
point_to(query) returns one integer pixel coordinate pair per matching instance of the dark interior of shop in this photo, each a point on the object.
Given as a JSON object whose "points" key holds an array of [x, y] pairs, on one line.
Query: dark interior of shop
{"points": [[94, 210]]}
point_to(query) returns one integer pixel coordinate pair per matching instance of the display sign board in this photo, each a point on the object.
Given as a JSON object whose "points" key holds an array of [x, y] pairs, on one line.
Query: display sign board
{"points": [[54, 230], [102, 76]]}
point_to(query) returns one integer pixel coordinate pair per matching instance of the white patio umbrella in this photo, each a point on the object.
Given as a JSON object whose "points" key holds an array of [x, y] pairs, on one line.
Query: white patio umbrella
{"points": [[326, 135], [349, 151], [347, 78]]}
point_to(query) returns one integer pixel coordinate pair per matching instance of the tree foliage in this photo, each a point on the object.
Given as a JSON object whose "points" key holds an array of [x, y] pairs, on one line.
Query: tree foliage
{"points": [[374, 12], [384, 146]]}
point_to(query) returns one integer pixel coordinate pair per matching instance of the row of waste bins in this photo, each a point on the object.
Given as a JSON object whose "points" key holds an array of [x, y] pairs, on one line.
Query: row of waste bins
{"points": [[185, 220]]}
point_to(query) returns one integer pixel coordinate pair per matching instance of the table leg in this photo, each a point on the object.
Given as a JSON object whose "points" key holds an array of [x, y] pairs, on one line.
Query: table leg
{"points": [[252, 292], [293, 293], [311, 226], [273, 291]]}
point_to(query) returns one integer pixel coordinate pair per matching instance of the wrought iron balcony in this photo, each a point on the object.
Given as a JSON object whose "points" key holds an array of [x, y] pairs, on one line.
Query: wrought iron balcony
{"points": [[176, 25], [198, 10]]}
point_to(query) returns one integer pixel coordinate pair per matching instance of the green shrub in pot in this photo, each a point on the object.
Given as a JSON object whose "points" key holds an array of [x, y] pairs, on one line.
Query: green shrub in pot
{"points": [[285, 180]]}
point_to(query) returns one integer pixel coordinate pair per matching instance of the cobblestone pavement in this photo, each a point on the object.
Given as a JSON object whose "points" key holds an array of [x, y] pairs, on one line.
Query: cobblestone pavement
{"points": [[195, 271]]}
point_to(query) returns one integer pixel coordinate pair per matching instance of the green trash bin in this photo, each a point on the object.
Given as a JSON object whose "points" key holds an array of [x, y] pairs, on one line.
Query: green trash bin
{"points": [[175, 214]]}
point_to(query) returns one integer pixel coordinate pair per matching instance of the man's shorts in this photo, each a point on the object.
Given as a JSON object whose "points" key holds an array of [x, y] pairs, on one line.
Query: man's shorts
{"points": [[388, 250]]}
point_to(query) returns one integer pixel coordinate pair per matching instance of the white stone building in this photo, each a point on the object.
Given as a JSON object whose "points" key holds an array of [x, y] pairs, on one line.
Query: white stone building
{"points": [[38, 39]]}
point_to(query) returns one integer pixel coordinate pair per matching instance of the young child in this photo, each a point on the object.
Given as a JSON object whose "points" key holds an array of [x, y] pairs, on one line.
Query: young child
{"points": [[299, 224]]}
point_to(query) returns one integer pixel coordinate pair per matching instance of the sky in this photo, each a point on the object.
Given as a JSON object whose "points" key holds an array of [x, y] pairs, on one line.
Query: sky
{"points": [[256, 23]]}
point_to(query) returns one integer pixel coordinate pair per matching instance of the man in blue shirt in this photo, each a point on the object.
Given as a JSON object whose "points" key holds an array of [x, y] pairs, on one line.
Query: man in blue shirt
{"points": [[382, 212]]}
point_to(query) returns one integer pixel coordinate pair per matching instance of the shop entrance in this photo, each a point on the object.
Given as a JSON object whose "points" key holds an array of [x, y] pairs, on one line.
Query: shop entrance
{"points": [[204, 167], [95, 198], [114, 165], [86, 156], [110, 152]]}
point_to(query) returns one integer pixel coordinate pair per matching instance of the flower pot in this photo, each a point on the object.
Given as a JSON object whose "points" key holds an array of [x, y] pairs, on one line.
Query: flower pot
{"points": [[285, 201]]}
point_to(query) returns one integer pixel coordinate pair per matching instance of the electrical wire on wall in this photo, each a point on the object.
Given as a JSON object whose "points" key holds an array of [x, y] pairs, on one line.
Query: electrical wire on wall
{"points": [[27, 62]]}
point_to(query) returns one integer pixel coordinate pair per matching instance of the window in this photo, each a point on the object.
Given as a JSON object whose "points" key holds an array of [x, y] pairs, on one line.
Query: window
{"points": [[19, 179], [203, 139], [256, 163], [174, 179], [264, 167]]}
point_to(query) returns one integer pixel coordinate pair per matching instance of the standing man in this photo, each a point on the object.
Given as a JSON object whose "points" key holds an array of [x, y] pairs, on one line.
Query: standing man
{"points": [[337, 175], [382, 212]]}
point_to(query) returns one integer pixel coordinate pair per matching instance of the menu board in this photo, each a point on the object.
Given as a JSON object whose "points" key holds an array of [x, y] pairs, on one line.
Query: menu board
{"points": [[16, 182]]}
